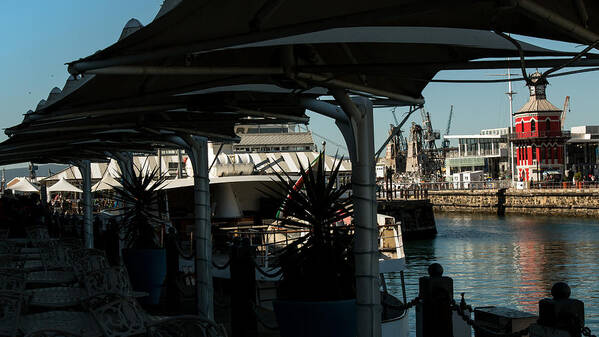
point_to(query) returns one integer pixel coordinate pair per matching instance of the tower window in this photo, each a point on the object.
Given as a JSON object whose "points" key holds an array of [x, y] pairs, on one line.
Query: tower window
{"points": [[534, 152], [548, 125], [533, 125]]}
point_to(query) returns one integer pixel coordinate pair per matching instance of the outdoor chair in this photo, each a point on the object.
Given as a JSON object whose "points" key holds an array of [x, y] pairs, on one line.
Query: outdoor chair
{"points": [[114, 280], [57, 323], [37, 235], [7, 247], [10, 312], [117, 315], [85, 261], [13, 281], [4, 232], [11, 262], [55, 256], [122, 316], [185, 326], [51, 333]]}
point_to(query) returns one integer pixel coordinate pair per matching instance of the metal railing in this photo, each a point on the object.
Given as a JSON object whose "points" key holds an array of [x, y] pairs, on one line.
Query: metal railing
{"points": [[420, 190], [554, 185], [538, 134]]}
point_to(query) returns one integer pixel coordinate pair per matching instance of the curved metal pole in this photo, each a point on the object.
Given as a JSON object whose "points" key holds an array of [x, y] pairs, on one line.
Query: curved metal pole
{"points": [[88, 224], [355, 121], [366, 250], [197, 148]]}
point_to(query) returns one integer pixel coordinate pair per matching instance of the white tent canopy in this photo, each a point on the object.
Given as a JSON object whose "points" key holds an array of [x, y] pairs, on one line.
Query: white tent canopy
{"points": [[23, 186], [63, 186], [106, 183]]}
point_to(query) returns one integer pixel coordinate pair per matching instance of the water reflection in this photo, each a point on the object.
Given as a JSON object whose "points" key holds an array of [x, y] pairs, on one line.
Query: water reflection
{"points": [[511, 261]]}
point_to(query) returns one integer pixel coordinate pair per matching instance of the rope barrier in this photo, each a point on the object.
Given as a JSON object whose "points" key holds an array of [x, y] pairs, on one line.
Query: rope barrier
{"points": [[586, 332], [402, 307], [267, 274], [224, 266], [189, 256]]}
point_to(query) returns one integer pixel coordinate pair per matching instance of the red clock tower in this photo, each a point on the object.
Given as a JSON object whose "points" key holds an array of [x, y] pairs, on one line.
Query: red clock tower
{"points": [[538, 137]]}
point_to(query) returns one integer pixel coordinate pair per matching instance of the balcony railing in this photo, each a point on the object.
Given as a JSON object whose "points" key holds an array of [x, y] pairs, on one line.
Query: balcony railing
{"points": [[539, 134]]}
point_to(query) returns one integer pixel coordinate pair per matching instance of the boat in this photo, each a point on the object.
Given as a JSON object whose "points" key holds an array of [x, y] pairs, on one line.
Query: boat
{"points": [[392, 260]]}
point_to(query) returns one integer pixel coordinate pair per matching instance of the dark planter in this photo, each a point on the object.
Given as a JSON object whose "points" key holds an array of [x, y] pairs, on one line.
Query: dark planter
{"points": [[147, 271], [330, 318]]}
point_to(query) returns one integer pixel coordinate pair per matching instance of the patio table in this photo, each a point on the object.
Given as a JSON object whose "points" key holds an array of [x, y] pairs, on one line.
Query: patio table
{"points": [[51, 277], [56, 297], [78, 323]]}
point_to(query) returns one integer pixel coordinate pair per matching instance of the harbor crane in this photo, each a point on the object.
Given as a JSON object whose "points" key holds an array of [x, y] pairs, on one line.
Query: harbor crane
{"points": [[446, 141], [566, 107], [429, 136], [403, 143], [396, 131]]}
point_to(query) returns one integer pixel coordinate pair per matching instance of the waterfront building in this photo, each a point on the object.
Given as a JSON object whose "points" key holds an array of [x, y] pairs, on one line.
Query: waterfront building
{"points": [[272, 138], [538, 138], [487, 152], [582, 150]]}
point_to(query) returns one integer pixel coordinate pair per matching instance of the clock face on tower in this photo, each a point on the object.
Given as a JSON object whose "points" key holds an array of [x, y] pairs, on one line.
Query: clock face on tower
{"points": [[537, 90], [540, 90]]}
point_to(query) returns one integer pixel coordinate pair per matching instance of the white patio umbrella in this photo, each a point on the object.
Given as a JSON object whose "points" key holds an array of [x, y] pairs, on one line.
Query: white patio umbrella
{"points": [[63, 186], [106, 183], [23, 185]]}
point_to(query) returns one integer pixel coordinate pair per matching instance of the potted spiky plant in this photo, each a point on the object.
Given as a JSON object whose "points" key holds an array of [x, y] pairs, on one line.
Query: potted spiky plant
{"points": [[317, 285], [139, 228]]}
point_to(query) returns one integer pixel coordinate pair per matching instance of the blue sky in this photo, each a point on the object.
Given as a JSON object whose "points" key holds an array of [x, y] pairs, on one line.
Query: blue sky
{"points": [[39, 36]]}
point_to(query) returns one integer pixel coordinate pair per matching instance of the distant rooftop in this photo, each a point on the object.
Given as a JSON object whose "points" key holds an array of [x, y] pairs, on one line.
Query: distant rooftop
{"points": [[584, 134], [538, 105], [291, 138]]}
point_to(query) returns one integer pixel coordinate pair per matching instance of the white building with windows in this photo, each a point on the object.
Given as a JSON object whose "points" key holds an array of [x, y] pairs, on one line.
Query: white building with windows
{"points": [[487, 151]]}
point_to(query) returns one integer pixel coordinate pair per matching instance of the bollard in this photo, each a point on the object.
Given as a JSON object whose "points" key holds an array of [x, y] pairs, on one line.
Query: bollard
{"points": [[433, 311], [560, 316], [243, 289]]}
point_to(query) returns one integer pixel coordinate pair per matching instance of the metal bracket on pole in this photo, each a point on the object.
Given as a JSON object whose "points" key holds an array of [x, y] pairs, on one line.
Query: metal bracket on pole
{"points": [[125, 162], [337, 114]]}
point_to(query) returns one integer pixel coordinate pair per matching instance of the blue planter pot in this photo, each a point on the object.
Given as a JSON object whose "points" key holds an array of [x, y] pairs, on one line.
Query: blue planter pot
{"points": [[147, 271], [331, 318]]}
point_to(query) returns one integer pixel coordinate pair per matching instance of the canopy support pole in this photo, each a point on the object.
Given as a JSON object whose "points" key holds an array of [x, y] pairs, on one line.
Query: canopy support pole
{"points": [[355, 121], [366, 250], [88, 224], [125, 162], [197, 148]]}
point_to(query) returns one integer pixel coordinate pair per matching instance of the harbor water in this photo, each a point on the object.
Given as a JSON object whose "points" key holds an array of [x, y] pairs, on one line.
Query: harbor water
{"points": [[509, 261]]}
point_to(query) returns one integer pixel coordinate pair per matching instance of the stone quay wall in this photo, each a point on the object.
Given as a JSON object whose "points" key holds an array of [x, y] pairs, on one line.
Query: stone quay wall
{"points": [[564, 202]]}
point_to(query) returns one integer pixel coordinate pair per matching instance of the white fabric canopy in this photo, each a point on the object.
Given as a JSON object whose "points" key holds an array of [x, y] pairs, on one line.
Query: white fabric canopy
{"points": [[106, 183], [63, 186], [23, 186]]}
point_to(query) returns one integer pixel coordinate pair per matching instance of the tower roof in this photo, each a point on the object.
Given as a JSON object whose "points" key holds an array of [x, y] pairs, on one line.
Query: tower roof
{"points": [[535, 104]]}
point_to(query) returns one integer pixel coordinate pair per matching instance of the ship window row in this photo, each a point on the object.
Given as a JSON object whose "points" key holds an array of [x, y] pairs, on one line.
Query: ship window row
{"points": [[273, 148]]}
